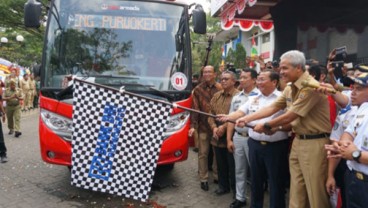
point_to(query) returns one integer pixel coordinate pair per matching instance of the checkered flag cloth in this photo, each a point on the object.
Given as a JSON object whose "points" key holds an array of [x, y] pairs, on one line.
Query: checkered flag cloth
{"points": [[116, 142]]}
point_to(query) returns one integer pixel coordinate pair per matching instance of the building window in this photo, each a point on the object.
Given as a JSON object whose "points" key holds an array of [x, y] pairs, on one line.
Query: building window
{"points": [[266, 38]]}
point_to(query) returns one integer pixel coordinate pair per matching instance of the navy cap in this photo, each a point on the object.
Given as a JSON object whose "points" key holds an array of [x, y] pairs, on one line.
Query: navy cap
{"points": [[361, 67], [362, 79]]}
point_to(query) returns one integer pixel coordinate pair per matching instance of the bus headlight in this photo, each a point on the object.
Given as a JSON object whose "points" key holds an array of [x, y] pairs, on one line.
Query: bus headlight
{"points": [[176, 122], [61, 125]]}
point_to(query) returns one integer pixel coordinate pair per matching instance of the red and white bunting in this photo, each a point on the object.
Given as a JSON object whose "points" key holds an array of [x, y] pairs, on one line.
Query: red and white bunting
{"points": [[246, 25], [231, 13], [252, 2], [237, 7], [240, 5]]}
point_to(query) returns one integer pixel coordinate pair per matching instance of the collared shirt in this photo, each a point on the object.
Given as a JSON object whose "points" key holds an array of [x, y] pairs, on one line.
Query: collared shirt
{"points": [[9, 93], [311, 106], [9, 78], [258, 102], [343, 120], [220, 104], [358, 129], [237, 101], [25, 85], [201, 98], [32, 84]]}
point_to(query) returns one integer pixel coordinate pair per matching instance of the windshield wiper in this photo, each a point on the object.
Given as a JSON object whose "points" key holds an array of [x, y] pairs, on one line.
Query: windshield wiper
{"points": [[88, 75]]}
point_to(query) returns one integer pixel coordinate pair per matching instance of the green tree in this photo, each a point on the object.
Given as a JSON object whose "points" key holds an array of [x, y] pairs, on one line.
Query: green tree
{"points": [[200, 45], [230, 58], [11, 25], [239, 56]]}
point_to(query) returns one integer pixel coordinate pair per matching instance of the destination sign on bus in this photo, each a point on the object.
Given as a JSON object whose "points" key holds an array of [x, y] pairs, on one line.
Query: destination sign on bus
{"points": [[119, 22]]}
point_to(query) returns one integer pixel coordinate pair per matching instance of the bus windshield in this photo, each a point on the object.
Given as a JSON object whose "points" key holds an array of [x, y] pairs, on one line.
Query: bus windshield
{"points": [[115, 43]]}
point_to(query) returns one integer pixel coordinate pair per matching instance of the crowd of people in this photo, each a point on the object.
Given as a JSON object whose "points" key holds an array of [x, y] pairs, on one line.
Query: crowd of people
{"points": [[17, 95], [296, 123]]}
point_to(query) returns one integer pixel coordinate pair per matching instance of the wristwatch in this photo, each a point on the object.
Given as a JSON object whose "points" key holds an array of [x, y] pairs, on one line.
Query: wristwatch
{"points": [[267, 126], [356, 155], [280, 128]]}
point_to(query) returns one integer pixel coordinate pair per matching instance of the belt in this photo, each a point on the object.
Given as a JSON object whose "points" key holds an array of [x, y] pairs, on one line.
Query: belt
{"points": [[243, 134], [267, 142], [314, 136], [359, 175], [12, 105]]}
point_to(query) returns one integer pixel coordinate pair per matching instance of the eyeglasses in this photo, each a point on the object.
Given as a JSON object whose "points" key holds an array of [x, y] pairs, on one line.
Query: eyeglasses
{"points": [[224, 79]]}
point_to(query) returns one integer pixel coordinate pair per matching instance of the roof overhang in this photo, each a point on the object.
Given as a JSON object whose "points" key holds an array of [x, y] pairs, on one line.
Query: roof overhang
{"points": [[226, 35], [331, 12], [242, 9], [244, 14]]}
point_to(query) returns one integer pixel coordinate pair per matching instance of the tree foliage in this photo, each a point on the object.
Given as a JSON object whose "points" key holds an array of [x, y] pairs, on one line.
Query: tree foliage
{"points": [[11, 25], [230, 58], [200, 46], [239, 56], [97, 49]]}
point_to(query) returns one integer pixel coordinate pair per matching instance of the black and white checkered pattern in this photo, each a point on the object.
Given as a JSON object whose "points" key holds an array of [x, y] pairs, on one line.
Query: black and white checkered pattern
{"points": [[134, 157]]}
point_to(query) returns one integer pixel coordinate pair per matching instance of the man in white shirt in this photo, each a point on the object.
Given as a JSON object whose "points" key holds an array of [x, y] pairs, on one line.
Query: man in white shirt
{"points": [[353, 146], [237, 138], [268, 154]]}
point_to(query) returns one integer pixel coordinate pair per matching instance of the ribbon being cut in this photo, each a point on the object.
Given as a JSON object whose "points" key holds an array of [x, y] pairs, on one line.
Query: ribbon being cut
{"points": [[116, 142]]}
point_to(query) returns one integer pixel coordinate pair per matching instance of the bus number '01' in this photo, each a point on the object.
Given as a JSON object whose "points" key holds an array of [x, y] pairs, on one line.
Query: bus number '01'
{"points": [[179, 81]]}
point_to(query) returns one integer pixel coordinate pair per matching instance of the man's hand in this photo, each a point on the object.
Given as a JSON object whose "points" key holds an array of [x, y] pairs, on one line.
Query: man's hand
{"points": [[214, 133], [323, 88], [333, 150], [220, 131], [272, 131], [332, 55], [222, 117], [259, 128], [230, 146], [347, 148], [191, 132], [330, 67], [330, 185], [242, 122]]}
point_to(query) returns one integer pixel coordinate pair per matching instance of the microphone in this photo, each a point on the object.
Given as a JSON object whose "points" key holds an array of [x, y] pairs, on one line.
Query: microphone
{"points": [[305, 83]]}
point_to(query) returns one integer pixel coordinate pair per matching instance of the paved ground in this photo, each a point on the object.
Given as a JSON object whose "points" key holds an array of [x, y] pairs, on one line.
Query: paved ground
{"points": [[26, 181]]}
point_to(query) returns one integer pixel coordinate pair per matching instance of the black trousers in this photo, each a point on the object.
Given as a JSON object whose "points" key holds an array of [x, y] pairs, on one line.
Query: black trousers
{"points": [[356, 190], [339, 177], [2, 142], [268, 161], [225, 168]]}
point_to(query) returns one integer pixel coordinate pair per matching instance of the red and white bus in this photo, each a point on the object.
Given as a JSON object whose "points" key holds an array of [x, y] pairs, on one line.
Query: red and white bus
{"points": [[141, 45]]}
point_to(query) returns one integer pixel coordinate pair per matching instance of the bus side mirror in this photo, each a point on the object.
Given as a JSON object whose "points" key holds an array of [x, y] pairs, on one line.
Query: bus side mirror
{"points": [[199, 20], [32, 13]]}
